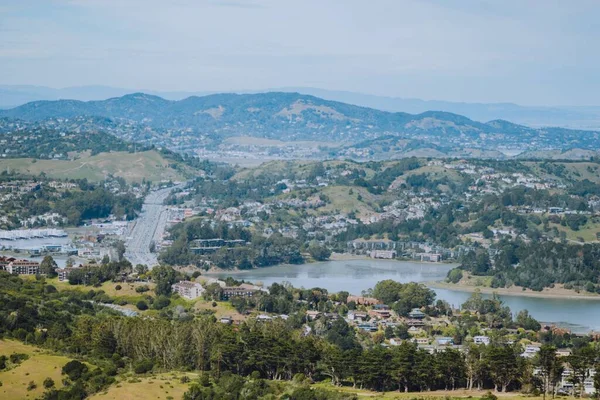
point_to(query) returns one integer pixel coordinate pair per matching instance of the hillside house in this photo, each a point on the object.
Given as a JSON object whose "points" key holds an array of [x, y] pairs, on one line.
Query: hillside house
{"points": [[188, 290], [485, 340], [380, 311], [312, 315], [416, 314], [23, 267], [357, 316], [244, 290], [63, 273]]}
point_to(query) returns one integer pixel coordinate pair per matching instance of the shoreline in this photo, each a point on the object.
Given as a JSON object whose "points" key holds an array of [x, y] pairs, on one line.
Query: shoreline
{"points": [[350, 256], [515, 291], [334, 257]]}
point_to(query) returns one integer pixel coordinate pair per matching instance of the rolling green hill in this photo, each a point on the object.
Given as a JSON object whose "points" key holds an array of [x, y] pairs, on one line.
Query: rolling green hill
{"points": [[133, 167]]}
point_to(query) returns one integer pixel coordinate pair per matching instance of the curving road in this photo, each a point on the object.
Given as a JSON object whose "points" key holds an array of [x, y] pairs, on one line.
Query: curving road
{"points": [[149, 226]]}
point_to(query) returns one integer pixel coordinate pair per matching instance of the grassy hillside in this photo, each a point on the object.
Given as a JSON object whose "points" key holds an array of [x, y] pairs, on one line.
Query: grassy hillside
{"points": [[133, 167], [161, 386], [168, 385], [38, 367]]}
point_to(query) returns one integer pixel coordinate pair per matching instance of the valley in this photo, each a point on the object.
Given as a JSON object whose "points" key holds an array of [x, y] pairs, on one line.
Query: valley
{"points": [[299, 200]]}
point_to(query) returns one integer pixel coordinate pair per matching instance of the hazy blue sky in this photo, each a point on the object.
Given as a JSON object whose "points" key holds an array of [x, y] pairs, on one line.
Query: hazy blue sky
{"points": [[543, 52]]}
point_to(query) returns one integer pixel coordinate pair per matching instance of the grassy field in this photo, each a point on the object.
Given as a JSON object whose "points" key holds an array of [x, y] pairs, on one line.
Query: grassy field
{"points": [[222, 309], [433, 172], [168, 386], [161, 386], [38, 367], [586, 232], [340, 199], [439, 394], [126, 292], [133, 167], [271, 166]]}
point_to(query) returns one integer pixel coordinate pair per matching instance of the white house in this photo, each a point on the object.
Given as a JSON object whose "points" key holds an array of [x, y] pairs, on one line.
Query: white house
{"points": [[189, 290], [481, 340], [530, 351]]}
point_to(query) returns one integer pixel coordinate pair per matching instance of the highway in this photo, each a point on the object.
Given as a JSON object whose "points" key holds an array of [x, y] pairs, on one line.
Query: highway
{"points": [[149, 226]]}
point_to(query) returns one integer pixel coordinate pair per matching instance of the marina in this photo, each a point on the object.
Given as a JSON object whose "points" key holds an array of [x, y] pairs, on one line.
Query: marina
{"points": [[26, 234]]}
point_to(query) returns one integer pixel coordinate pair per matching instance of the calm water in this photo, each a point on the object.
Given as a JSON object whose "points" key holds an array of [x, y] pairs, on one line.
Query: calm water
{"points": [[354, 276]]}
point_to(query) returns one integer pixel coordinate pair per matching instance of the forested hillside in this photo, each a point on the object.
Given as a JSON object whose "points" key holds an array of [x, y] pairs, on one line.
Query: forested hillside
{"points": [[106, 347]]}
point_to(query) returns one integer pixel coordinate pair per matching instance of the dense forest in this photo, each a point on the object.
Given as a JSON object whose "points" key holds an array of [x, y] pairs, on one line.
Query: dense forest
{"points": [[252, 250], [537, 265]]}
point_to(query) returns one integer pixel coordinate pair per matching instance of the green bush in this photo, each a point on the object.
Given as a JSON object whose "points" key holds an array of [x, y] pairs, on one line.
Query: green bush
{"points": [[74, 369], [142, 305], [141, 367], [161, 302], [142, 289], [48, 383], [454, 275], [18, 358], [489, 396]]}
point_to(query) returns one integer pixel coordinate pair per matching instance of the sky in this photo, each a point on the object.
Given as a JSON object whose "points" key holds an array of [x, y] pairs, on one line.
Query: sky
{"points": [[531, 52]]}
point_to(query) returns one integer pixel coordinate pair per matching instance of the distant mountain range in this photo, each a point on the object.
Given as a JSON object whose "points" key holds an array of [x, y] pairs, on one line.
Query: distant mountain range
{"points": [[535, 116], [291, 117]]}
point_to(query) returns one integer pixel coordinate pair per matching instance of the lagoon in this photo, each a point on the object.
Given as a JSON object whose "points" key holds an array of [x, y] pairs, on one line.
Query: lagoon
{"points": [[354, 276]]}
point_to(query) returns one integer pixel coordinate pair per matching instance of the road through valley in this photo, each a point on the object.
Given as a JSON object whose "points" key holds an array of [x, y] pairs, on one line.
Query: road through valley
{"points": [[148, 227]]}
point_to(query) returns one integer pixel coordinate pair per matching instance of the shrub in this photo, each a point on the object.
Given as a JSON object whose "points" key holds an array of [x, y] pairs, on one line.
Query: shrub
{"points": [[319, 253], [48, 383], [118, 287], [49, 289], [299, 378], [142, 289], [161, 302], [255, 375], [489, 396], [18, 358], [74, 369], [455, 275], [590, 287], [31, 386], [141, 367], [142, 305]]}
